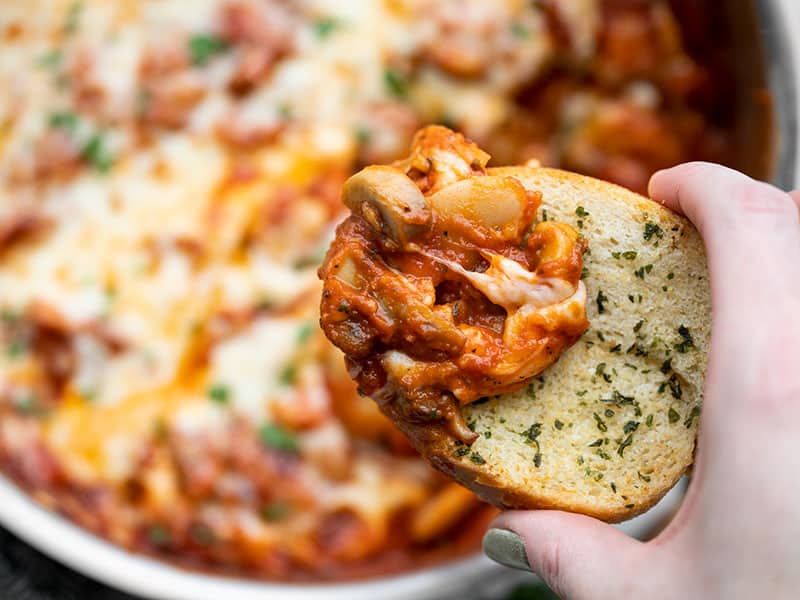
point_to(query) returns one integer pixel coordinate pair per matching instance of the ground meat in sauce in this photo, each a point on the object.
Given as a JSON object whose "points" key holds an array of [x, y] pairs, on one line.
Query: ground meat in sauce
{"points": [[400, 294]]}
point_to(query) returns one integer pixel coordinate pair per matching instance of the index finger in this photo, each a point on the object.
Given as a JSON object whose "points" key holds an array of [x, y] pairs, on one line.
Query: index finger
{"points": [[751, 231]]}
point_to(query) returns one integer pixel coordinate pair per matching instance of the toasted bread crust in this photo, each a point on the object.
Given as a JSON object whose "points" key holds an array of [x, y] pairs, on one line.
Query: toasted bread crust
{"points": [[615, 487]]}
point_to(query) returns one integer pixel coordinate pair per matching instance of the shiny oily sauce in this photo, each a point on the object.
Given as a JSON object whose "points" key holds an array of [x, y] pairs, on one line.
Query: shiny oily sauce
{"points": [[442, 288]]}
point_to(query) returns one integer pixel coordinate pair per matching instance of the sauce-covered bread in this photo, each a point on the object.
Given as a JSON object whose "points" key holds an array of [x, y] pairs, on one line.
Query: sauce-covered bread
{"points": [[460, 296], [441, 288]]}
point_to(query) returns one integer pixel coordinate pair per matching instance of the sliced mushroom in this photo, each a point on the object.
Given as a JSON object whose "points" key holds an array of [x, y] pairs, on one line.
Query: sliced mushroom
{"points": [[493, 203], [389, 201]]}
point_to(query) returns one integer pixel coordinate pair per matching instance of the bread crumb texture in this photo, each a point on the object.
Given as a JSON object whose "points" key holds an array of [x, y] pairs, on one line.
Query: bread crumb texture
{"points": [[611, 427]]}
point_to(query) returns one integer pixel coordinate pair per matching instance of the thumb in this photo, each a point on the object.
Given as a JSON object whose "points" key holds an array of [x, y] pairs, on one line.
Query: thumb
{"points": [[573, 554]]}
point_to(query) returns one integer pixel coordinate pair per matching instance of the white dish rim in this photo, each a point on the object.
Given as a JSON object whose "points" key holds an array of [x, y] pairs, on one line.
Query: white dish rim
{"points": [[137, 574]]}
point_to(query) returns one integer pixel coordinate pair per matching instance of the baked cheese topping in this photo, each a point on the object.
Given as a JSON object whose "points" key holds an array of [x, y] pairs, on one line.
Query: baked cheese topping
{"points": [[170, 177]]}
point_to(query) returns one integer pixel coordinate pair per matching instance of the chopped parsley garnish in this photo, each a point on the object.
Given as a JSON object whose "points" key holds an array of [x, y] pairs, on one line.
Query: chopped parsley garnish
{"points": [[675, 387], [686, 342], [285, 113], [616, 349], [276, 437], [636, 350], [597, 443], [619, 399], [160, 429], [600, 371], [265, 304], [304, 333], [395, 83], [159, 535], [65, 120], [28, 404], [673, 415], [204, 47], [219, 393], [629, 255], [642, 271], [533, 432], [51, 59], [630, 426], [520, 31], [73, 17], [363, 134], [584, 273], [202, 534], [344, 307], [695, 412], [601, 425], [616, 255], [649, 420], [433, 415], [532, 437], [288, 376], [666, 366], [16, 348], [477, 458], [581, 212], [670, 276], [96, 153], [638, 326], [325, 26], [609, 413], [461, 451], [274, 511], [652, 230], [143, 99], [601, 302], [9, 317], [643, 477], [558, 424], [624, 444]]}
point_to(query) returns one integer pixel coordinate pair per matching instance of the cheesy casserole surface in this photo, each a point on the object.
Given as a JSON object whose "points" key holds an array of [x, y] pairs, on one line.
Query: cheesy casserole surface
{"points": [[170, 173]]}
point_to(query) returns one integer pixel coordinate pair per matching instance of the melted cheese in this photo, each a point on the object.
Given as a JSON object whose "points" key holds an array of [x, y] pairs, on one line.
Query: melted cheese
{"points": [[510, 285], [162, 243], [251, 365]]}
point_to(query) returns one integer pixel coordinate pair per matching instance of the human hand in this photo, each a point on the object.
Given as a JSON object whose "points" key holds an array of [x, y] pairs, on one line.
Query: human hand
{"points": [[737, 534]]}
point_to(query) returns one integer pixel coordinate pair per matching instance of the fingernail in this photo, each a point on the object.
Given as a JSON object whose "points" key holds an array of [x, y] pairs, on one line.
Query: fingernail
{"points": [[506, 548]]}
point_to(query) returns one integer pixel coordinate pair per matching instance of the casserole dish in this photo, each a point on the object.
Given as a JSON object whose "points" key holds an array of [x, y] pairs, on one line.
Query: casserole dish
{"points": [[755, 146]]}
